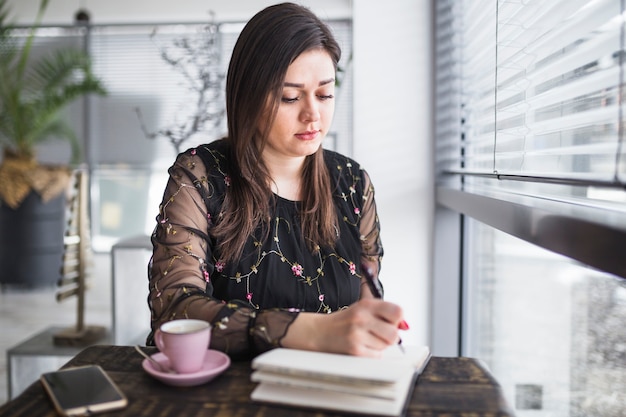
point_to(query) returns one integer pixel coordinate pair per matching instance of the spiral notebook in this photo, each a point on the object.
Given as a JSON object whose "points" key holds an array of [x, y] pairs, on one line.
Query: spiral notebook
{"points": [[337, 382]]}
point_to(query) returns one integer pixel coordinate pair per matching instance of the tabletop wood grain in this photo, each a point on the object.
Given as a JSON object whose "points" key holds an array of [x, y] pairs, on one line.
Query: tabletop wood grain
{"points": [[448, 387]]}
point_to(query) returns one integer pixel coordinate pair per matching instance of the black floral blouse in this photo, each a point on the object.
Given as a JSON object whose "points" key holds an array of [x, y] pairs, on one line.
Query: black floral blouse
{"points": [[252, 302]]}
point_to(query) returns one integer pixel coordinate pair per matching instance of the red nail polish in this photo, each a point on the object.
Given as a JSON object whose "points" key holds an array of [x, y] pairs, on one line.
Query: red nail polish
{"points": [[403, 325]]}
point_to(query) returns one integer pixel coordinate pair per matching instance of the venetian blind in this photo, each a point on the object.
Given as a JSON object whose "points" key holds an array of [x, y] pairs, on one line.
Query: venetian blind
{"points": [[531, 91]]}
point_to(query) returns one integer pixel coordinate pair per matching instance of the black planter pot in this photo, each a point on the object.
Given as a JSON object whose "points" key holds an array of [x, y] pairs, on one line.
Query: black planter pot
{"points": [[31, 242]]}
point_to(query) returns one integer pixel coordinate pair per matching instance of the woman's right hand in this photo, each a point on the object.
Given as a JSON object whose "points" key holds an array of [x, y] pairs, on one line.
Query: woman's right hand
{"points": [[366, 328]]}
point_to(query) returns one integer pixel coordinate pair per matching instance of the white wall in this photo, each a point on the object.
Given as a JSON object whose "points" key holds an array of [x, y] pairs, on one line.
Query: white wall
{"points": [[392, 115], [392, 136]]}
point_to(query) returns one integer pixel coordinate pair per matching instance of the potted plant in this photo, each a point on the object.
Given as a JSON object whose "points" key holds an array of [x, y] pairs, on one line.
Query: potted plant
{"points": [[32, 195]]}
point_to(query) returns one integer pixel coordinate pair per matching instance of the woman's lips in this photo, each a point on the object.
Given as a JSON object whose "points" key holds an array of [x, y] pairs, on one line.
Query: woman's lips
{"points": [[309, 135]]}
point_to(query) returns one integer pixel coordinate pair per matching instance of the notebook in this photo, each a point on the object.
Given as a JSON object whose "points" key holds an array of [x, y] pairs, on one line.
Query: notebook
{"points": [[338, 382]]}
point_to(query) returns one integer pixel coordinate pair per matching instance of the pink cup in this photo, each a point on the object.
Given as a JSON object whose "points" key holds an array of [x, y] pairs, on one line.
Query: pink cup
{"points": [[185, 343]]}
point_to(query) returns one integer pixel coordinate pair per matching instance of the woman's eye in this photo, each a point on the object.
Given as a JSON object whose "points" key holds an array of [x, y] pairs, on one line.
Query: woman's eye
{"points": [[322, 97]]}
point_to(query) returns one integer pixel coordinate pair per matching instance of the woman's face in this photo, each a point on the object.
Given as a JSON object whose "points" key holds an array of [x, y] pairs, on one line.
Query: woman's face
{"points": [[306, 107]]}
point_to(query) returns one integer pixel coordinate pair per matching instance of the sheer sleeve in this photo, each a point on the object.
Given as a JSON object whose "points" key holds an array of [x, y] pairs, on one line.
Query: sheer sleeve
{"points": [[369, 228], [181, 267]]}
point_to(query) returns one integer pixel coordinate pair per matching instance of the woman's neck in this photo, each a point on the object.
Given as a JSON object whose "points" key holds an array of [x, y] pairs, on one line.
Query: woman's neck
{"points": [[286, 176]]}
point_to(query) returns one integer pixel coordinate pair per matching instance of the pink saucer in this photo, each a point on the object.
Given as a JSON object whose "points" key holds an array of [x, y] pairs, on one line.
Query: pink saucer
{"points": [[215, 362]]}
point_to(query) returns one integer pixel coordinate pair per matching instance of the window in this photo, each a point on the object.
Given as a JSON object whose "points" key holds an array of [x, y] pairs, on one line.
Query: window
{"points": [[531, 180]]}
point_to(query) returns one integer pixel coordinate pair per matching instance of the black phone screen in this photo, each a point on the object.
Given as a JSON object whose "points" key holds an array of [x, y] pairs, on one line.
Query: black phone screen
{"points": [[85, 388]]}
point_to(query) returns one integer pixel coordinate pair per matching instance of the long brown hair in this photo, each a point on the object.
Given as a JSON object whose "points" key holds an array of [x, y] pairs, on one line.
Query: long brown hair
{"points": [[266, 47]]}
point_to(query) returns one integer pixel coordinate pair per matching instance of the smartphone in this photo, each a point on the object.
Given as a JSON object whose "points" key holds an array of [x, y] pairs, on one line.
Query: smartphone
{"points": [[82, 390]]}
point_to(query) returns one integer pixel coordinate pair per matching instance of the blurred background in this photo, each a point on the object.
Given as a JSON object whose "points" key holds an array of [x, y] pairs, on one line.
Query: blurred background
{"points": [[493, 132]]}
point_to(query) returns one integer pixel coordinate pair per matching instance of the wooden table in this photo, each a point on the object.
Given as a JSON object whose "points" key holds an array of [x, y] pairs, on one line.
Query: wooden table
{"points": [[447, 387]]}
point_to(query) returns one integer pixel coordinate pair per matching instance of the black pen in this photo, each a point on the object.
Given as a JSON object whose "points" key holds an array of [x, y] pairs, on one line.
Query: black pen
{"points": [[377, 292]]}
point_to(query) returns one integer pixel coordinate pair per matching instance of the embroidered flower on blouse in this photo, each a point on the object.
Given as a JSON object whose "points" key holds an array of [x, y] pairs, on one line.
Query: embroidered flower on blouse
{"points": [[357, 210], [193, 151], [227, 180], [249, 296], [297, 270], [321, 297], [352, 268], [219, 266]]}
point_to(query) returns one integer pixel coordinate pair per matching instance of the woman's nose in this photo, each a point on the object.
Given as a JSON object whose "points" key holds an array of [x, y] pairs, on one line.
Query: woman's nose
{"points": [[310, 111]]}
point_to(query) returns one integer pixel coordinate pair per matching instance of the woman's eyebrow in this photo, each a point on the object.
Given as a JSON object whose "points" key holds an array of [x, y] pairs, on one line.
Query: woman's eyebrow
{"points": [[297, 85]]}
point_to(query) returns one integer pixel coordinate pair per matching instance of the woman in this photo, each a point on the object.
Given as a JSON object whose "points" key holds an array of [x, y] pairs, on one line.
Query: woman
{"points": [[261, 231]]}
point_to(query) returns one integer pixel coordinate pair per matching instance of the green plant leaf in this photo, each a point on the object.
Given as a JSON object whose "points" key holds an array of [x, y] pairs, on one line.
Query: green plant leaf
{"points": [[32, 98]]}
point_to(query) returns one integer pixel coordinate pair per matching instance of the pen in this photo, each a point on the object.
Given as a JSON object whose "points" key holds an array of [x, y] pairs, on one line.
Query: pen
{"points": [[377, 292]]}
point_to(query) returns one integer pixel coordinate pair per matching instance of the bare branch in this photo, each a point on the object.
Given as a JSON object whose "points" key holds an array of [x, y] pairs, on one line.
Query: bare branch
{"points": [[197, 59]]}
